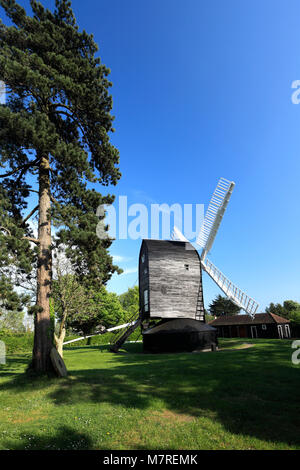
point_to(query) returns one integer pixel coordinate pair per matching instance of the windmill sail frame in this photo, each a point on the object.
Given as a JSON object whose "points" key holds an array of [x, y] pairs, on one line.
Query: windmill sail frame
{"points": [[214, 215], [205, 239], [232, 291]]}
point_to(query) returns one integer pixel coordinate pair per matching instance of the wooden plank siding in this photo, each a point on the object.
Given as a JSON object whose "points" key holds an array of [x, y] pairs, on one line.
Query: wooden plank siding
{"points": [[171, 272]]}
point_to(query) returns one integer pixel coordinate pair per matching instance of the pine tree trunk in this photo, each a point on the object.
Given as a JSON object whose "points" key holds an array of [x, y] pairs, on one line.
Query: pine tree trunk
{"points": [[43, 334]]}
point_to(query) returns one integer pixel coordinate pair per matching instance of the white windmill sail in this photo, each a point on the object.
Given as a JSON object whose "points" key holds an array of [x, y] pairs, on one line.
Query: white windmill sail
{"points": [[214, 215], [177, 235], [205, 239], [233, 292]]}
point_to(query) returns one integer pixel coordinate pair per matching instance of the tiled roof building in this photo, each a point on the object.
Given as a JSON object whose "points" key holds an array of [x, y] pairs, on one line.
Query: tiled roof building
{"points": [[263, 325]]}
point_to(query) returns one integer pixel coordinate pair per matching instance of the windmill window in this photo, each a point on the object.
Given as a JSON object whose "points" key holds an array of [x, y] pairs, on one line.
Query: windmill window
{"points": [[143, 258], [146, 300], [263, 327], [187, 267]]}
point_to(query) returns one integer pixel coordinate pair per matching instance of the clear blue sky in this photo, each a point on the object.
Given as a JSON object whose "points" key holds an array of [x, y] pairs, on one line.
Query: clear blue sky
{"points": [[202, 89]]}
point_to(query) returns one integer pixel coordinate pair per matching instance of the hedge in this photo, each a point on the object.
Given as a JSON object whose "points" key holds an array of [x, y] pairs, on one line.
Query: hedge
{"points": [[23, 342], [17, 342]]}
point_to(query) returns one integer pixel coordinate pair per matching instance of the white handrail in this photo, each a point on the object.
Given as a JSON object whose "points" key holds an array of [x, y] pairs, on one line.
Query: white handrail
{"points": [[119, 327]]}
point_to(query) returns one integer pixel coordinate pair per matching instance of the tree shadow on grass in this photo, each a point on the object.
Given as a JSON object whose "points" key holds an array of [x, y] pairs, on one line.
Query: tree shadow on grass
{"points": [[65, 438], [250, 392], [14, 364]]}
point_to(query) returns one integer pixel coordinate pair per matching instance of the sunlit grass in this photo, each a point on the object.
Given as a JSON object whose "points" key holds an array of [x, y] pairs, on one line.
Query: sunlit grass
{"points": [[231, 399]]}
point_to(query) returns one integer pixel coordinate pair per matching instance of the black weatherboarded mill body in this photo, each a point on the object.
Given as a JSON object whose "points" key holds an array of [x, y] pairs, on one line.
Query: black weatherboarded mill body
{"points": [[170, 288]]}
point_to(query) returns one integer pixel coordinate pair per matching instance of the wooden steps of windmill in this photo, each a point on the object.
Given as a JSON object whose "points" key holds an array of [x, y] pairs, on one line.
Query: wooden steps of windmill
{"points": [[115, 346]]}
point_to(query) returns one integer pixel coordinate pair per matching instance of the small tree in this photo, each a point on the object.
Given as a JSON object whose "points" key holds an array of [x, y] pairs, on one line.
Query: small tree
{"points": [[12, 320], [102, 309], [68, 297], [277, 309], [291, 306], [78, 307], [294, 317], [130, 302], [209, 318], [223, 306], [290, 310], [285, 309]]}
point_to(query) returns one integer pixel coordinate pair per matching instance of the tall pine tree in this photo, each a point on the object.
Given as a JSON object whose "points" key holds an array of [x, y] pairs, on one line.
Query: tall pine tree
{"points": [[54, 144]]}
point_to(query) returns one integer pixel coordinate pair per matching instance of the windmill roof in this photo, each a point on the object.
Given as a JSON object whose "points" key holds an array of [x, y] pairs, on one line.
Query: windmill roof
{"points": [[171, 245], [259, 318]]}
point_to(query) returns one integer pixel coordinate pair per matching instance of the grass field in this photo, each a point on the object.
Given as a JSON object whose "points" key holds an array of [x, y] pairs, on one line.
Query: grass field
{"points": [[230, 399]]}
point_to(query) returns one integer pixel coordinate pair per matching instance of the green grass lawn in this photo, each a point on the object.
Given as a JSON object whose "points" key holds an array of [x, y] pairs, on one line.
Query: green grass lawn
{"points": [[230, 399]]}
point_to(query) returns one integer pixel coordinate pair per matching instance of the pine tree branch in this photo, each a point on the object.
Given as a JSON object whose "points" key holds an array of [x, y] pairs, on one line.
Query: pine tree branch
{"points": [[26, 189], [11, 173], [61, 105], [30, 93], [54, 200], [22, 168], [30, 214], [26, 168], [72, 115], [6, 230], [30, 239], [33, 240]]}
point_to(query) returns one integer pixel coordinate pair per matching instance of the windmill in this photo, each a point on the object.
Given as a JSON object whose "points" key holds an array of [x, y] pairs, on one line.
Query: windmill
{"points": [[170, 286], [205, 240]]}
